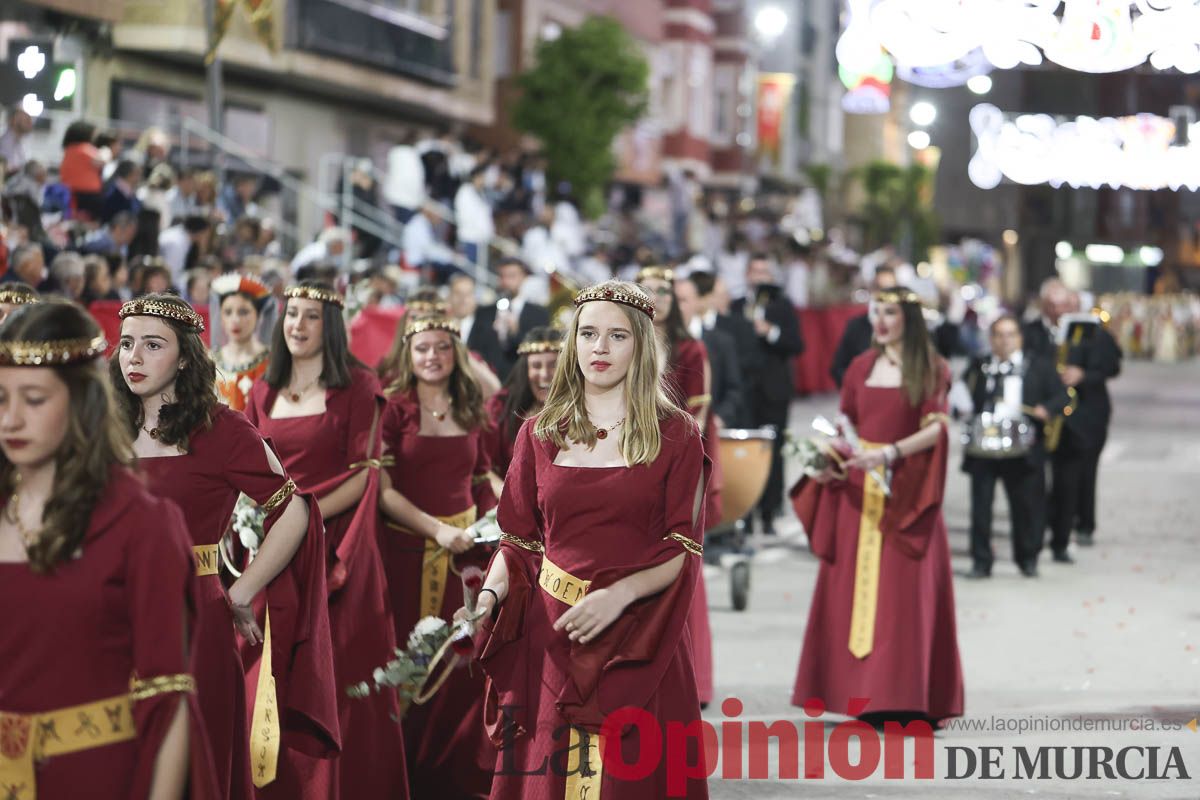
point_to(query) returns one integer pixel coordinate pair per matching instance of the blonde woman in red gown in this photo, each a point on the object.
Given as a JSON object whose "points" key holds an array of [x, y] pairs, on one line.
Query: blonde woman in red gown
{"points": [[586, 603], [900, 652], [201, 455], [242, 359], [690, 378], [436, 485], [522, 397], [95, 574], [322, 411]]}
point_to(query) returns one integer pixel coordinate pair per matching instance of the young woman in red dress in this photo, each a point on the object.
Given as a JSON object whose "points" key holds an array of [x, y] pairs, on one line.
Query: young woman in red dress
{"points": [[433, 433], [95, 571], [201, 455], [690, 378], [603, 513], [881, 625], [522, 397], [242, 359], [322, 410]]}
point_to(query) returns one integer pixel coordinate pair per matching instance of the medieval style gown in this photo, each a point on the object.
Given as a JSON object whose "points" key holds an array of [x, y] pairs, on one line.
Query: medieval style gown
{"points": [[565, 526], [496, 440], [685, 376], [905, 643], [321, 452], [449, 754], [77, 637], [222, 461], [234, 381]]}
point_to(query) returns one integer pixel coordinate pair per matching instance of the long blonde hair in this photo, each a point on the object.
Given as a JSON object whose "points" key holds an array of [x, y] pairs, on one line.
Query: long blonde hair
{"points": [[466, 397], [564, 416]]}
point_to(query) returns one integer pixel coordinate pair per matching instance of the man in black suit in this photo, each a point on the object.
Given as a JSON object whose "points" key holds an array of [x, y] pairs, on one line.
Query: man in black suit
{"points": [[497, 330], [1093, 357], [856, 338], [727, 398], [1040, 335], [772, 387], [1009, 383]]}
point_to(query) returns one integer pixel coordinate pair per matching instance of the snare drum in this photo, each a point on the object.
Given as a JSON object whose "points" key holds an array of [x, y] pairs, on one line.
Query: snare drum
{"points": [[745, 467], [989, 436]]}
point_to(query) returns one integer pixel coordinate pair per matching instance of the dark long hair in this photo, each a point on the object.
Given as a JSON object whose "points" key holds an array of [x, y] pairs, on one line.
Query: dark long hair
{"points": [[336, 358], [921, 363], [520, 394], [95, 439], [195, 386]]}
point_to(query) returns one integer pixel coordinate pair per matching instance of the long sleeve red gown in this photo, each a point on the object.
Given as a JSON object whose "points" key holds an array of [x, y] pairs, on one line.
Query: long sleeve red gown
{"points": [[321, 452], [449, 754], [913, 663], [686, 378], [78, 634], [223, 460], [497, 442], [598, 525]]}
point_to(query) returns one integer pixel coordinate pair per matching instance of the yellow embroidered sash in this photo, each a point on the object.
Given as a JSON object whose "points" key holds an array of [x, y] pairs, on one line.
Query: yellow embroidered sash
{"points": [[866, 568], [436, 566], [583, 779], [560, 584], [264, 724], [205, 556], [26, 739]]}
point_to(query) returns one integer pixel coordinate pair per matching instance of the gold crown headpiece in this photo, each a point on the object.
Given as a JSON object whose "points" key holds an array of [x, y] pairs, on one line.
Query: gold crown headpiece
{"points": [[52, 353], [315, 293], [426, 307], [431, 324], [166, 310], [656, 273], [19, 297], [534, 348], [897, 296], [617, 292]]}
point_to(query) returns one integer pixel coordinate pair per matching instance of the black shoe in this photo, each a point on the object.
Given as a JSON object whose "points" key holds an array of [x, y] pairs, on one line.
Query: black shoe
{"points": [[1084, 539], [768, 527], [1029, 569], [1063, 558], [979, 571]]}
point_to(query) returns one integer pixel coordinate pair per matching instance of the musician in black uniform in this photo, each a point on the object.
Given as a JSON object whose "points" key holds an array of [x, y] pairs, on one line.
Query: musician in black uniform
{"points": [[1090, 363], [1016, 384], [772, 386]]}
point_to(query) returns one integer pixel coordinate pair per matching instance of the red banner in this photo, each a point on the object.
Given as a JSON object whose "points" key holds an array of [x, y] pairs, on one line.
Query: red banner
{"points": [[774, 92]]}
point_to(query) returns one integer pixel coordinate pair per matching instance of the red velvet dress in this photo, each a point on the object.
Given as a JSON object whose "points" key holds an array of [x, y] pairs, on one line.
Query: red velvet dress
{"points": [[496, 440], [686, 379], [913, 665], [321, 452], [449, 754], [78, 634], [623, 521], [222, 461]]}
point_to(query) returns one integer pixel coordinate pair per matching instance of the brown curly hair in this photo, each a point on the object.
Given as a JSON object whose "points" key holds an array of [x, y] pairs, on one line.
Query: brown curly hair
{"points": [[195, 386], [96, 438]]}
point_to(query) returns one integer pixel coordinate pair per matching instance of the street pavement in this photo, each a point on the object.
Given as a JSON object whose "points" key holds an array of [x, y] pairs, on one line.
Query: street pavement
{"points": [[1113, 639]]}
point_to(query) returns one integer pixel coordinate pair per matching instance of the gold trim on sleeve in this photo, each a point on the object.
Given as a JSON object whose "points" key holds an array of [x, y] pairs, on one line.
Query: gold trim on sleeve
{"points": [[699, 400], [524, 544], [145, 688], [688, 544], [276, 500], [374, 463], [935, 416]]}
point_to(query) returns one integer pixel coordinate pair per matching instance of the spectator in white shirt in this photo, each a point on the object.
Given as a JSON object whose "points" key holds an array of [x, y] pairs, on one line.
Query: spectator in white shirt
{"points": [[404, 186], [332, 248], [567, 230], [177, 241], [539, 248], [12, 141], [422, 247], [474, 218]]}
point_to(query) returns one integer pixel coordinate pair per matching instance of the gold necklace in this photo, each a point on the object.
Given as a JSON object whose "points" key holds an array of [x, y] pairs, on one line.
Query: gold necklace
{"points": [[438, 416], [295, 396], [153, 432], [602, 433], [12, 512]]}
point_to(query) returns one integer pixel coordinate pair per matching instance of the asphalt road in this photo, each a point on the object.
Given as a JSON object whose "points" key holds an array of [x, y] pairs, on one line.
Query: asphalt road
{"points": [[1082, 651]]}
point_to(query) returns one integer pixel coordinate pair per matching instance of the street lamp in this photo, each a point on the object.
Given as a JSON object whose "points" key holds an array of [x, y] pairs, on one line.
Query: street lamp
{"points": [[918, 140], [770, 22], [922, 113]]}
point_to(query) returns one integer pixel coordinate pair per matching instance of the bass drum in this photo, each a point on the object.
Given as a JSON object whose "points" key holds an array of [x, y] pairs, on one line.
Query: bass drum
{"points": [[745, 466], [992, 437]]}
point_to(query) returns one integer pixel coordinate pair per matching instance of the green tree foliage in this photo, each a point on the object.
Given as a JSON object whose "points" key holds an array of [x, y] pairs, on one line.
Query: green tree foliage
{"points": [[898, 208], [584, 88]]}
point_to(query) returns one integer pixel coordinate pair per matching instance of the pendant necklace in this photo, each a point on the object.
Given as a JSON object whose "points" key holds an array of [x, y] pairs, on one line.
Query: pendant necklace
{"points": [[295, 395], [438, 416], [153, 432], [602, 433], [12, 512]]}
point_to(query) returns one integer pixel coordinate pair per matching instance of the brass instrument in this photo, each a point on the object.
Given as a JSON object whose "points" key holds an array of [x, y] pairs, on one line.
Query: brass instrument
{"points": [[1054, 427]]}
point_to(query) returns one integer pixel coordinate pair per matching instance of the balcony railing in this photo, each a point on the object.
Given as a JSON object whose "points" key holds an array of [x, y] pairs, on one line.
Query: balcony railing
{"points": [[372, 33]]}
